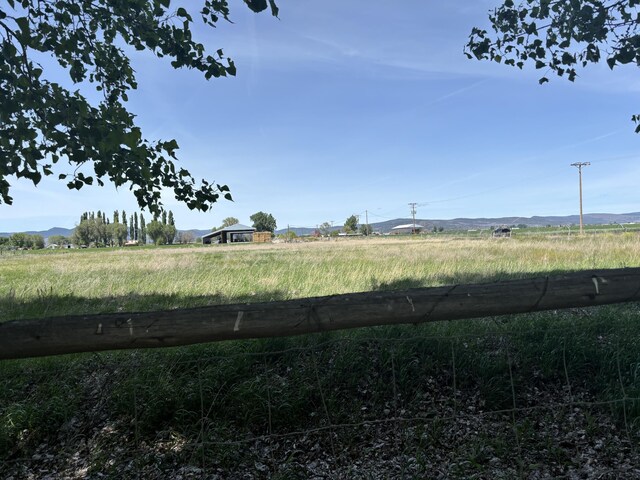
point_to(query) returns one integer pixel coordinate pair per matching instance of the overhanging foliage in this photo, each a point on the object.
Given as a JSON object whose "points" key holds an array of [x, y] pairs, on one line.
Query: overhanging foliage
{"points": [[43, 124]]}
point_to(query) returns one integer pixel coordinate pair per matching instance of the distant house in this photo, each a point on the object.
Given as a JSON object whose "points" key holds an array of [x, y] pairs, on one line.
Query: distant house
{"points": [[408, 228], [232, 234], [502, 232]]}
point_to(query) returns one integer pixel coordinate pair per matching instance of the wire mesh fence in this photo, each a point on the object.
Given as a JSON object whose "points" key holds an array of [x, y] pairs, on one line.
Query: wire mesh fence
{"points": [[539, 396]]}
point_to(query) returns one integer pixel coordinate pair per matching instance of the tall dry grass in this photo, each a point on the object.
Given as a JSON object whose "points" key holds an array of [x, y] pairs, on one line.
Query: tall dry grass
{"points": [[143, 279]]}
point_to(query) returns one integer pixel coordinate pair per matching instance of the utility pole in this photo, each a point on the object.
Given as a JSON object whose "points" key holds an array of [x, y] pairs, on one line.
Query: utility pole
{"points": [[366, 213], [413, 215], [579, 165]]}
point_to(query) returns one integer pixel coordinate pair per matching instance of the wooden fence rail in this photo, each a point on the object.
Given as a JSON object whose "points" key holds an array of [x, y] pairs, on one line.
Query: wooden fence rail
{"points": [[72, 334]]}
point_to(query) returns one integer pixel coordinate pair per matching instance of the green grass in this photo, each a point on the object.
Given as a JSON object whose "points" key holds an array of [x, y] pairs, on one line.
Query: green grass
{"points": [[232, 391]]}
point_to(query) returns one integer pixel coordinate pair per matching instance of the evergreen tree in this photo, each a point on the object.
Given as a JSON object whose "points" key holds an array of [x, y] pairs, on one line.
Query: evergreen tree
{"points": [[170, 219], [143, 230], [135, 226], [169, 233], [164, 217], [131, 229], [124, 222], [351, 224], [116, 216], [100, 228]]}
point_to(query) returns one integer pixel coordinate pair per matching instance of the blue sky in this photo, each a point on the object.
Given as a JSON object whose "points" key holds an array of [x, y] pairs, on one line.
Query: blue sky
{"points": [[341, 107]]}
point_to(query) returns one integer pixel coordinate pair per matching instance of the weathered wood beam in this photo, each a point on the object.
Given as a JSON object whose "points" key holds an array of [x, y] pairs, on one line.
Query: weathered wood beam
{"points": [[73, 334]]}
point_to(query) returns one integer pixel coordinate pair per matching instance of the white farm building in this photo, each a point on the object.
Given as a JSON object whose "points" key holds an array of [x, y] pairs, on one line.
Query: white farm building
{"points": [[408, 228]]}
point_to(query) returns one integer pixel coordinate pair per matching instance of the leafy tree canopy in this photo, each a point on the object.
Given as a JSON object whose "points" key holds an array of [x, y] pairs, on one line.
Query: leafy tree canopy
{"points": [[43, 124], [325, 228], [227, 222], [25, 240], [155, 230], [58, 240], [366, 229], [351, 224], [560, 36], [263, 222]]}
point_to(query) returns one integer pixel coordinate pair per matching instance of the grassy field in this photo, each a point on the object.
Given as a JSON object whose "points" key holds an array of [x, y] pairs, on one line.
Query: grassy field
{"points": [[489, 397], [109, 280]]}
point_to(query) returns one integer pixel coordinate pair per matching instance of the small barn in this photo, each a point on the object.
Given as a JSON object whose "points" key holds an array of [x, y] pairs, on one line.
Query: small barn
{"points": [[237, 233], [408, 228], [502, 232]]}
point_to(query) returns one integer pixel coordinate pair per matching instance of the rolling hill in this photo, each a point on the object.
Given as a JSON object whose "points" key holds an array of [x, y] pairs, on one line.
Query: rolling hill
{"points": [[452, 224]]}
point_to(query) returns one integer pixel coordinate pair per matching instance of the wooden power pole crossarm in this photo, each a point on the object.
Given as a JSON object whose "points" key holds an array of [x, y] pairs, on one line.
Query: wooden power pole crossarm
{"points": [[60, 335]]}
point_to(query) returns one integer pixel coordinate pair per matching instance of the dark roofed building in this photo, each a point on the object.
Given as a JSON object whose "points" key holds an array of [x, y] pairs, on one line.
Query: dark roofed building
{"points": [[502, 232], [231, 234]]}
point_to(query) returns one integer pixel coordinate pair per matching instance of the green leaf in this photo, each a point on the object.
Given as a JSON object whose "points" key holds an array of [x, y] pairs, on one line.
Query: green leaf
{"points": [[626, 55], [23, 24], [274, 8], [256, 5], [184, 14], [531, 29], [568, 59]]}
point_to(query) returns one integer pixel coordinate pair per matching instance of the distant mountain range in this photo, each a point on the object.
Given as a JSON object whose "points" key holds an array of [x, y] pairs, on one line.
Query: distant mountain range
{"points": [[45, 233], [453, 224], [479, 223], [67, 232], [536, 221]]}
